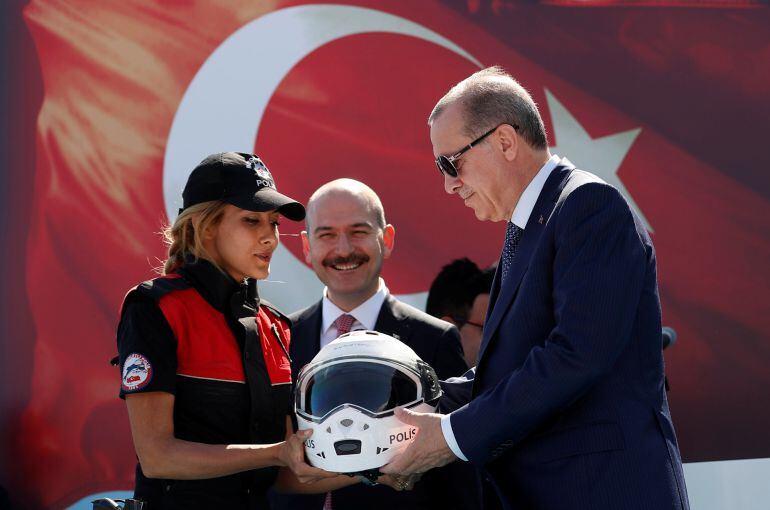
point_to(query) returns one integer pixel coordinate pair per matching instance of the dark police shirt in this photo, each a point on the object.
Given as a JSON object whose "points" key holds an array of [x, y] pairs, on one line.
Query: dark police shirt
{"points": [[203, 337]]}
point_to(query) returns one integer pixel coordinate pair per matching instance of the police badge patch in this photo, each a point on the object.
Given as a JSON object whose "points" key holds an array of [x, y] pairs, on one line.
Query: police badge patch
{"points": [[261, 170], [137, 372]]}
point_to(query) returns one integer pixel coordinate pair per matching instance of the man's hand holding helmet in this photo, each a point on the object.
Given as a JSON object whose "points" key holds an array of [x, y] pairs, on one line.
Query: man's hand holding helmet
{"points": [[399, 483], [427, 451]]}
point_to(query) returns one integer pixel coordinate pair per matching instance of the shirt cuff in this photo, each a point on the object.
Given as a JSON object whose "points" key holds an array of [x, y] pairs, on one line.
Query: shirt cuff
{"points": [[449, 437]]}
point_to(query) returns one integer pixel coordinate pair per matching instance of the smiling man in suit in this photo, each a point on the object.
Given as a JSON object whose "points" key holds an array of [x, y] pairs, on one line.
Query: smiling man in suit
{"points": [[566, 407], [346, 242]]}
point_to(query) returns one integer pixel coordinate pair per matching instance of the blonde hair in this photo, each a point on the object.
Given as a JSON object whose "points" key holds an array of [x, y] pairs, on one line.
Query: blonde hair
{"points": [[183, 237]]}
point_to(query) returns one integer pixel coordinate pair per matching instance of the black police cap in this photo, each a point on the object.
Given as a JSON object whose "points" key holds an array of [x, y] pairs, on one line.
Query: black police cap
{"points": [[239, 179]]}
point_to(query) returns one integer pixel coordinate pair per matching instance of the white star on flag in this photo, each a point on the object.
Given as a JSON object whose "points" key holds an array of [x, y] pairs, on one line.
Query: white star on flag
{"points": [[601, 156]]}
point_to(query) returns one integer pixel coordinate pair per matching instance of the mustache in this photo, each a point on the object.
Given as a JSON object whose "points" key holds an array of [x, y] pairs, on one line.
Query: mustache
{"points": [[353, 258]]}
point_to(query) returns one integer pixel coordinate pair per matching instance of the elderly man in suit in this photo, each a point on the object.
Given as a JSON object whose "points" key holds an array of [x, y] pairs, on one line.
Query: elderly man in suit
{"points": [[346, 241], [566, 407]]}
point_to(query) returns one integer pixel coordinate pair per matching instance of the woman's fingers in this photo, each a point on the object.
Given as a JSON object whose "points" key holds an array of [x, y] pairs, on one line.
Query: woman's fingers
{"points": [[294, 448]]}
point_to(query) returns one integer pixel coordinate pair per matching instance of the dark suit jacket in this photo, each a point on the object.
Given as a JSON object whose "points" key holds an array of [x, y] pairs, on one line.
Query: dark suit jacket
{"points": [[567, 404], [438, 344]]}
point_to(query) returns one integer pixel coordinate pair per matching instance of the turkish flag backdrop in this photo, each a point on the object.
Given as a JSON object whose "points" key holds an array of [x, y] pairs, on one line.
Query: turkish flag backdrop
{"points": [[93, 94]]}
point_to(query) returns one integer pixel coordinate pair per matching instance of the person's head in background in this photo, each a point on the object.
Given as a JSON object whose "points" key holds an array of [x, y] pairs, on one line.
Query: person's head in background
{"points": [[460, 294]]}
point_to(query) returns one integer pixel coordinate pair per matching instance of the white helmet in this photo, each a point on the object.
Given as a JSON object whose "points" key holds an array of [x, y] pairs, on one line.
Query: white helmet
{"points": [[347, 394]]}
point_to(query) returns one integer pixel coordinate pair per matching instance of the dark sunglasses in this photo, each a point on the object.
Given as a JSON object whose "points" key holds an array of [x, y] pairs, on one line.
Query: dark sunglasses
{"points": [[446, 164], [461, 321]]}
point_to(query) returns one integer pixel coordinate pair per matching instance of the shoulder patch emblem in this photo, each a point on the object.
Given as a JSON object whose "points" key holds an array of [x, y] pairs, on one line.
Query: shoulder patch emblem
{"points": [[137, 372]]}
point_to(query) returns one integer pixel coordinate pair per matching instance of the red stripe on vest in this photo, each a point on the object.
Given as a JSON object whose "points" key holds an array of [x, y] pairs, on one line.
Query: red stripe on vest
{"points": [[205, 345], [275, 338]]}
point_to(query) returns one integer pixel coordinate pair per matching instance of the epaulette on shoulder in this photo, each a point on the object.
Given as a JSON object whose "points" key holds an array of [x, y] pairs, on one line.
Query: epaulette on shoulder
{"points": [[154, 289], [275, 311], [159, 287]]}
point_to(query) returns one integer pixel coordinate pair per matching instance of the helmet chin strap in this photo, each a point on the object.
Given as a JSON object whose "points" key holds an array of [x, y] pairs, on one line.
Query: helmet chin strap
{"points": [[370, 474]]}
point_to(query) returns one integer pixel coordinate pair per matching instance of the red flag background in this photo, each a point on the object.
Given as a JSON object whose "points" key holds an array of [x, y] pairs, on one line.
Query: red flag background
{"points": [[671, 102]]}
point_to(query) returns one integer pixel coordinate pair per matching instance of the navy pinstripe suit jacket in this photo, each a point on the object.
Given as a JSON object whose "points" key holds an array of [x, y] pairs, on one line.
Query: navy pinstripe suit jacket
{"points": [[567, 408]]}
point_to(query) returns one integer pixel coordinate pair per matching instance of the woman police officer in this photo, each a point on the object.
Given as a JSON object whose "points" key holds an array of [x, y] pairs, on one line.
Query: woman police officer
{"points": [[204, 363]]}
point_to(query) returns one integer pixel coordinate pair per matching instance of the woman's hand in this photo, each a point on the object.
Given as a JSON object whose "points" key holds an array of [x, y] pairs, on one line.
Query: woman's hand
{"points": [[292, 455]]}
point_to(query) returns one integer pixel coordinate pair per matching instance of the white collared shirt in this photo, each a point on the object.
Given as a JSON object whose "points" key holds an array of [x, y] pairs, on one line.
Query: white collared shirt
{"points": [[520, 217], [528, 199], [365, 314]]}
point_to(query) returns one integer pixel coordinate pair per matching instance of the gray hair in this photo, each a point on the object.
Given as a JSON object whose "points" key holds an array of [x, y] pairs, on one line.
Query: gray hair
{"points": [[491, 97]]}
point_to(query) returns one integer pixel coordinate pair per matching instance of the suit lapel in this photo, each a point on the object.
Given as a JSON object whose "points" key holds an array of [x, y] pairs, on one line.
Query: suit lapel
{"points": [[502, 295], [507, 292], [391, 320], [306, 337], [493, 293]]}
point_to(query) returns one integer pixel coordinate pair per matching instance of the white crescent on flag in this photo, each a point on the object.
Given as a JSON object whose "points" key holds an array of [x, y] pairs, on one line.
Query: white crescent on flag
{"points": [[225, 88]]}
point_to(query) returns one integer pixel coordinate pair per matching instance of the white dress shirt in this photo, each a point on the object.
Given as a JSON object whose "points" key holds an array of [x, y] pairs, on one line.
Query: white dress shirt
{"points": [[365, 314], [528, 199], [520, 217]]}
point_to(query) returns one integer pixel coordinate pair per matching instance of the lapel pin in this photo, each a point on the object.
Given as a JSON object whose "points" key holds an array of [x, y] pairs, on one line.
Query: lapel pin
{"points": [[541, 219]]}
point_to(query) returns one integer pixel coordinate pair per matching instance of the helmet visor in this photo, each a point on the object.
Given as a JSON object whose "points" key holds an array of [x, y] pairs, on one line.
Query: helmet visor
{"points": [[372, 386]]}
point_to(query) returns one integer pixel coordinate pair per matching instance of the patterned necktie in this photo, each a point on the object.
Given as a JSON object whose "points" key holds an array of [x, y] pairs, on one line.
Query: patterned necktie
{"points": [[343, 324], [328, 501], [512, 238]]}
